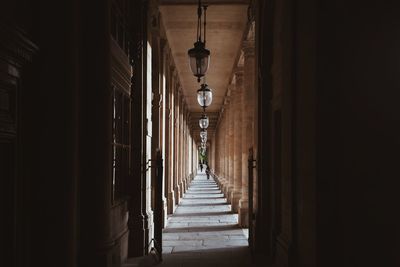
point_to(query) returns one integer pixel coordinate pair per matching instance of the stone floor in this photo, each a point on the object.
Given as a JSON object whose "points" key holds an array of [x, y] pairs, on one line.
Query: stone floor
{"points": [[203, 231]]}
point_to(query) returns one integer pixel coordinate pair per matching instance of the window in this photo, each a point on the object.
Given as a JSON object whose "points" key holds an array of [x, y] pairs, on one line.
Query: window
{"points": [[120, 143]]}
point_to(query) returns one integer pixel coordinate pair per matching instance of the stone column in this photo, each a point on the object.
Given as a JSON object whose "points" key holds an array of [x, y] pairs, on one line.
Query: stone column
{"points": [[184, 150], [247, 105], [216, 149], [171, 132], [226, 141], [226, 150], [212, 167], [189, 157], [188, 152], [195, 155], [237, 160], [176, 146], [231, 145], [181, 147], [156, 108], [164, 126], [221, 150]]}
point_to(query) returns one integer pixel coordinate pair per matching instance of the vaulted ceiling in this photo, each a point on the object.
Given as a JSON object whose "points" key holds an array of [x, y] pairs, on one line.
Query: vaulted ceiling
{"points": [[226, 23]]}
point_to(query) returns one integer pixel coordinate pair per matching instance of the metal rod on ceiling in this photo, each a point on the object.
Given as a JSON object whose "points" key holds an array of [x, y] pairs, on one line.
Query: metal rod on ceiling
{"points": [[205, 18], [199, 12]]}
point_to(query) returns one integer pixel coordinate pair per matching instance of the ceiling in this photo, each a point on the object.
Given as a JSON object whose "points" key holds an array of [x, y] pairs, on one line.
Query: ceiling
{"points": [[226, 23]]}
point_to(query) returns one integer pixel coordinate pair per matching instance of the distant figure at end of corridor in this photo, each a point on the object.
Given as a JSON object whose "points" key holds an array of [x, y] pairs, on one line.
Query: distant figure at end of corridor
{"points": [[208, 172]]}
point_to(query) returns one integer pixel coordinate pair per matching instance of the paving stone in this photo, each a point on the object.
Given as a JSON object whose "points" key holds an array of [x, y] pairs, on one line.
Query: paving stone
{"points": [[191, 243], [203, 231]]}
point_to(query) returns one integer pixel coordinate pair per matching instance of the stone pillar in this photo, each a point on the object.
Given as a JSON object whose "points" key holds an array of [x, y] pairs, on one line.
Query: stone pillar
{"points": [[221, 150], [156, 109], [181, 145], [212, 147], [163, 139], [237, 160], [216, 149], [227, 144], [231, 145], [226, 151], [176, 146], [171, 132], [188, 152], [189, 157], [184, 150], [247, 105], [195, 159]]}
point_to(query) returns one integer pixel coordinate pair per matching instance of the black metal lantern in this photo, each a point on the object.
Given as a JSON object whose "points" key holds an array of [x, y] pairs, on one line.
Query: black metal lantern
{"points": [[199, 56], [204, 96], [199, 59], [204, 122]]}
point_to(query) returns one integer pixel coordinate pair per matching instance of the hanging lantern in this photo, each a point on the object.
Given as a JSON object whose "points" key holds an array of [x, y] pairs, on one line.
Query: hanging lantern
{"points": [[204, 96], [203, 133], [204, 122], [199, 56], [199, 59]]}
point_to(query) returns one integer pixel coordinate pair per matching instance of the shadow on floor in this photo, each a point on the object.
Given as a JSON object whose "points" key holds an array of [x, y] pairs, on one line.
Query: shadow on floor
{"points": [[232, 257]]}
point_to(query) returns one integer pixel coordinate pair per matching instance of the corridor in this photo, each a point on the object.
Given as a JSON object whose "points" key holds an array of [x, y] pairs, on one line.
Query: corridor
{"points": [[202, 232], [108, 107]]}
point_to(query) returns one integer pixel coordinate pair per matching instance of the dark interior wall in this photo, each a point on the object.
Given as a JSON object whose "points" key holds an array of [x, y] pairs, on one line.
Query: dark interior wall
{"points": [[62, 201], [48, 135], [358, 82], [305, 204]]}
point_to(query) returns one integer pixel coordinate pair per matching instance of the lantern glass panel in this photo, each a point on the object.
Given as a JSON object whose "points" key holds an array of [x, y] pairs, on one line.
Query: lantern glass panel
{"points": [[203, 134], [199, 59], [204, 96], [204, 122]]}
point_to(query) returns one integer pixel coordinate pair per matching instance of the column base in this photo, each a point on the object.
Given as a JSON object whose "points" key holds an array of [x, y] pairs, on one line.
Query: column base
{"points": [[171, 202], [136, 237], [235, 197], [220, 183], [217, 180], [184, 182], [225, 190], [165, 213], [182, 190], [149, 229], [243, 213], [177, 195], [229, 193]]}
